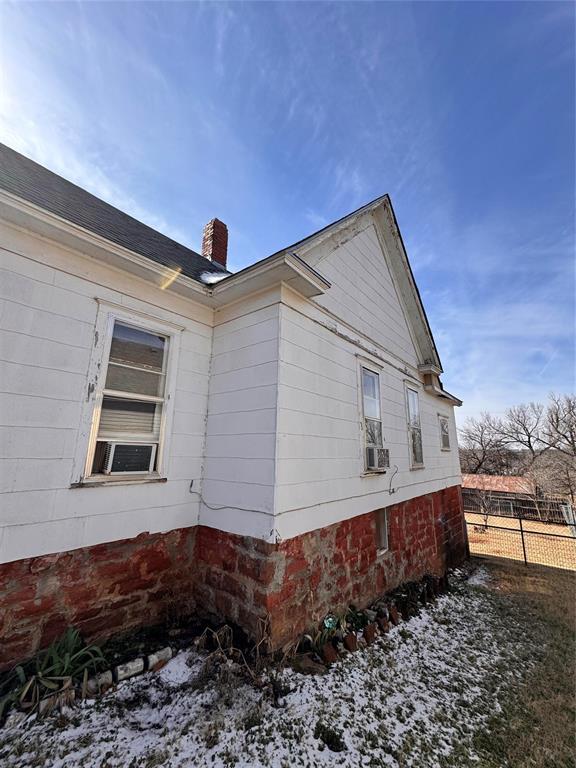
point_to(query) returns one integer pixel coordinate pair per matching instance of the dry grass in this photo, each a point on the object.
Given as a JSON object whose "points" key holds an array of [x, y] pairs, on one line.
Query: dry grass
{"points": [[540, 549], [537, 726]]}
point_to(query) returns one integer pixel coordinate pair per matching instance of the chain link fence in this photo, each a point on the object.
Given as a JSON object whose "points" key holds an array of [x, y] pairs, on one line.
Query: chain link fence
{"points": [[533, 531]]}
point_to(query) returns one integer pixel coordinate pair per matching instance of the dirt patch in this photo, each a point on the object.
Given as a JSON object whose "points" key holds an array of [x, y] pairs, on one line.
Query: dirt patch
{"points": [[506, 541]]}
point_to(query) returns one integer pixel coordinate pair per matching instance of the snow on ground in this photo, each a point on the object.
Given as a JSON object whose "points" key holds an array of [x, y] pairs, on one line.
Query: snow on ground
{"points": [[414, 699], [479, 577]]}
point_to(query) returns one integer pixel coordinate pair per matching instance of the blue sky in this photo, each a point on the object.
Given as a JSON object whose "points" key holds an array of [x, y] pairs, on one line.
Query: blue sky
{"points": [[281, 117]]}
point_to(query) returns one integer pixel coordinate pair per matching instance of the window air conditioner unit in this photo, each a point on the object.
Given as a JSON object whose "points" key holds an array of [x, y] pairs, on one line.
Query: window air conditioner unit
{"points": [[129, 458], [377, 459]]}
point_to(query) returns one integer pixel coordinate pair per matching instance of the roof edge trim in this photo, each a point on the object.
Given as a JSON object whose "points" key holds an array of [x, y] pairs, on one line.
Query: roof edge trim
{"points": [[24, 213]]}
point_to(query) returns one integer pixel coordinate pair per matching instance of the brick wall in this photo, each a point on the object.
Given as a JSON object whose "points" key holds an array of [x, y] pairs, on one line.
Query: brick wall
{"points": [[101, 590], [113, 587], [298, 581]]}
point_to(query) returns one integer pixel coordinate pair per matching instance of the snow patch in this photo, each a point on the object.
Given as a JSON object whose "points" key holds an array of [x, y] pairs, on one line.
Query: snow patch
{"points": [[480, 577], [415, 698]]}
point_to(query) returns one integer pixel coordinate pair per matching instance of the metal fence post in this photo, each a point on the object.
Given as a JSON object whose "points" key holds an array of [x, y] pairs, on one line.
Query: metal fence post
{"points": [[523, 544]]}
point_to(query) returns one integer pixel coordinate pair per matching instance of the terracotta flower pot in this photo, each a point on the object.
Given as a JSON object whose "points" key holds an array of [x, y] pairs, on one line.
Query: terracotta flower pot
{"points": [[350, 642], [369, 633], [329, 654], [383, 623]]}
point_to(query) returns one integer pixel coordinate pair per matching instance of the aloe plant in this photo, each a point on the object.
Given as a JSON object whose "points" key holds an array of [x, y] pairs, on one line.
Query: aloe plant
{"points": [[52, 674], [319, 639]]}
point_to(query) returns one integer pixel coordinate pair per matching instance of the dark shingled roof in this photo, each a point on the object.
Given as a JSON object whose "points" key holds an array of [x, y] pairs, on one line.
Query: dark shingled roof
{"points": [[24, 178]]}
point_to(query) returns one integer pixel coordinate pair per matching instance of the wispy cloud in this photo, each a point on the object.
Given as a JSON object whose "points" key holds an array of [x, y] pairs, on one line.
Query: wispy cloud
{"points": [[48, 127], [279, 118]]}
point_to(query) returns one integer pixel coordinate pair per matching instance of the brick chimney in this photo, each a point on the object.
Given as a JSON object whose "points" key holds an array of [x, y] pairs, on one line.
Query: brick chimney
{"points": [[215, 241]]}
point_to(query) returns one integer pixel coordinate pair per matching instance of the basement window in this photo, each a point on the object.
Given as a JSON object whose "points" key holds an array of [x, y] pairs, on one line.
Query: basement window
{"points": [[130, 408], [382, 531]]}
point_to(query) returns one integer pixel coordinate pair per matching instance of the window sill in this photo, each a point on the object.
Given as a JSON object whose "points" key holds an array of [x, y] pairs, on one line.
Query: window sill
{"points": [[418, 466], [446, 450], [373, 473], [95, 482]]}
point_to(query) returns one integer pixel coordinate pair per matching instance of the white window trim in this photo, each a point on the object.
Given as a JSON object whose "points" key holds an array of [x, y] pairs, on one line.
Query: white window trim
{"points": [[410, 386], [363, 363], [108, 314], [382, 550], [442, 417]]}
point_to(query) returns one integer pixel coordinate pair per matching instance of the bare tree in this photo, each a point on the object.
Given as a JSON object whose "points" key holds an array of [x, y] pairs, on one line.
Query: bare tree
{"points": [[486, 506], [514, 443], [483, 447], [554, 475], [560, 428], [522, 428]]}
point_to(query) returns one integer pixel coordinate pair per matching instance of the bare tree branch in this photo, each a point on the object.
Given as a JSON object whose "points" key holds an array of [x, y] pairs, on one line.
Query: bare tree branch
{"points": [[560, 428], [522, 427], [484, 449]]}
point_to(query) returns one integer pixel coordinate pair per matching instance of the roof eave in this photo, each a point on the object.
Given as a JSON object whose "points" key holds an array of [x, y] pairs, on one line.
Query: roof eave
{"points": [[386, 217], [286, 268], [433, 389], [26, 215]]}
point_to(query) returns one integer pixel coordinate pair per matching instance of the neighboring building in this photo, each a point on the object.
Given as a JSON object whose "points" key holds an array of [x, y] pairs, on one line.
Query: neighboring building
{"points": [[513, 496], [505, 485], [177, 437], [497, 494]]}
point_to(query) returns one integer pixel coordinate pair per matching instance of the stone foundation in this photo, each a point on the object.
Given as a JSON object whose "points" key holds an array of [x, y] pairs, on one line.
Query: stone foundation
{"points": [[102, 590], [110, 588], [296, 582]]}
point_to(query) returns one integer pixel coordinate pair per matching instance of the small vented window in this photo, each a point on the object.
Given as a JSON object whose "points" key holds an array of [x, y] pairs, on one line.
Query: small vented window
{"points": [[444, 433], [381, 530]]}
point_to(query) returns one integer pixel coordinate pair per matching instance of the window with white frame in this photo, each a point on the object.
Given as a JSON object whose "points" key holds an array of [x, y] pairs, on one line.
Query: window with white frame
{"points": [[382, 530], [444, 433], [414, 428], [375, 455], [130, 406]]}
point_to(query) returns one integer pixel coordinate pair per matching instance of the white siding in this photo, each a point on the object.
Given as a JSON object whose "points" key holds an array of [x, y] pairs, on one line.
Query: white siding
{"points": [[363, 293], [48, 311], [267, 434], [320, 459], [239, 469]]}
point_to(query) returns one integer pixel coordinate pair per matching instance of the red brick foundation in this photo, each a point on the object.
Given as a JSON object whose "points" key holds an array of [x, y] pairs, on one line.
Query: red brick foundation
{"points": [[296, 582], [109, 588], [102, 590]]}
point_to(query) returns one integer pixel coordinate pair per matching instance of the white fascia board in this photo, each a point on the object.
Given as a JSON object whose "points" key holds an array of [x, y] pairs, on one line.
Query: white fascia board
{"points": [[287, 268], [389, 232], [25, 215], [284, 267], [432, 389]]}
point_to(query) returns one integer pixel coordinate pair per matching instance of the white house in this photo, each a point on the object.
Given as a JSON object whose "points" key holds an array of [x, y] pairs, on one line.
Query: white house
{"points": [[270, 444]]}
